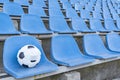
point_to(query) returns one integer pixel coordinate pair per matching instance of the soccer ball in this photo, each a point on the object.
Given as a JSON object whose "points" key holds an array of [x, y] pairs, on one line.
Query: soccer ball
{"points": [[29, 56]]}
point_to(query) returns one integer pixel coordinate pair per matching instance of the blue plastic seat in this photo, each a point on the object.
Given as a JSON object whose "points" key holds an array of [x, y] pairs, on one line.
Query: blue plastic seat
{"points": [[6, 25], [27, 25], [98, 9], [36, 10], [71, 13], [55, 12], [115, 16], [23, 2], [14, 9], [73, 1], [94, 47], [11, 65], [106, 15], [113, 40], [79, 25], [85, 14], [78, 6], [39, 3], [66, 52], [53, 4], [63, 1], [118, 23], [67, 5], [96, 25], [59, 25], [97, 15], [4, 1], [109, 25], [118, 11], [89, 7]]}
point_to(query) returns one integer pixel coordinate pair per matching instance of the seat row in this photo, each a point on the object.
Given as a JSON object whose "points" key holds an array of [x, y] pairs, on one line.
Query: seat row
{"points": [[10, 9], [64, 51], [32, 24], [87, 12], [26, 2]]}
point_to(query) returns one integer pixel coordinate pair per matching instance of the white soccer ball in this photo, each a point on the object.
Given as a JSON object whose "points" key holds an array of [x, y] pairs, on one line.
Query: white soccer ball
{"points": [[29, 56]]}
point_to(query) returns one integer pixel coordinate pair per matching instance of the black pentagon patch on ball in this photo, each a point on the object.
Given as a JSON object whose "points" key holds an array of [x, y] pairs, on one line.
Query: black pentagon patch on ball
{"points": [[33, 60], [30, 47], [21, 55], [25, 65]]}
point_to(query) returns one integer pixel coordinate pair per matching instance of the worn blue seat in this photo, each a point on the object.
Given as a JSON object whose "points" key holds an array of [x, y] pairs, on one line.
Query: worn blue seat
{"points": [[27, 25], [79, 25], [6, 25], [59, 25], [23, 2], [12, 67], [66, 52], [13, 9], [94, 47], [109, 25], [96, 25], [36, 10], [113, 40]]}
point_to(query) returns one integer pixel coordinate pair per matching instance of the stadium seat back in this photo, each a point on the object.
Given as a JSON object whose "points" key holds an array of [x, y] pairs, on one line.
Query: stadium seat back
{"points": [[6, 25], [14, 9], [28, 26]]}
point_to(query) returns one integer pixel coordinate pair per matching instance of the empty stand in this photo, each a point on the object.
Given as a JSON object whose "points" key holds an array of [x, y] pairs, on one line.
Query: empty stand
{"points": [[12, 67], [59, 24], [66, 52]]}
